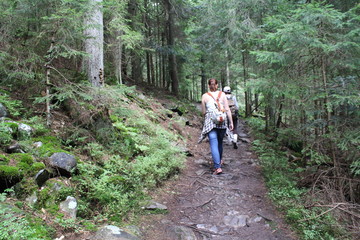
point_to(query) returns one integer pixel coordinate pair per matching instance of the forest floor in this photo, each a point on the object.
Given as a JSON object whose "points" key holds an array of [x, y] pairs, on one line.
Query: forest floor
{"points": [[229, 206]]}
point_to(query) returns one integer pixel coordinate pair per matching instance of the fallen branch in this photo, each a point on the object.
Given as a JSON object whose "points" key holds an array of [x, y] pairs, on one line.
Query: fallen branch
{"points": [[349, 212], [208, 201], [323, 213]]}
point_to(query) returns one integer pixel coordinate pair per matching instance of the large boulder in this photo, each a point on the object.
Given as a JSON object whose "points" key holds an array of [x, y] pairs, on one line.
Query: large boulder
{"points": [[64, 163]]}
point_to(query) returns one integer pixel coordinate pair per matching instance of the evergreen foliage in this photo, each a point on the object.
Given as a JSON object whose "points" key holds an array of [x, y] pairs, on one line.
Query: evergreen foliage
{"points": [[293, 64]]}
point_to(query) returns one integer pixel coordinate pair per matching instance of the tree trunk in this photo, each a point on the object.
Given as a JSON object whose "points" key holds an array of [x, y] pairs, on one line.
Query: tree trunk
{"points": [[136, 67], [118, 59], [148, 36], [171, 43], [203, 75], [279, 120], [227, 68], [247, 94], [94, 44], [47, 89], [326, 100]]}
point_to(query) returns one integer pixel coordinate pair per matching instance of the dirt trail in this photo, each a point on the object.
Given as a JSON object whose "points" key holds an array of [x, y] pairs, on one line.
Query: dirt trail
{"points": [[203, 206]]}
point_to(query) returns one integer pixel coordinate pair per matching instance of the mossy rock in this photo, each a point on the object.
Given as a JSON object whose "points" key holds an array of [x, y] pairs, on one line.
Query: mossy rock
{"points": [[25, 187], [9, 176], [26, 163], [23, 157], [36, 167], [52, 193], [9, 172], [50, 146], [23, 167]]}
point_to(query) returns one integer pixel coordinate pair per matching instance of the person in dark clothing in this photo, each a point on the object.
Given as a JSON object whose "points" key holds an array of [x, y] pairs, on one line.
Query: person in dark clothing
{"points": [[234, 108]]}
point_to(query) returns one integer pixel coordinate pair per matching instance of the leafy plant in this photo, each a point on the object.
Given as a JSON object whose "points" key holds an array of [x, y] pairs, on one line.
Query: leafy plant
{"points": [[280, 175], [5, 134], [15, 224], [13, 106]]}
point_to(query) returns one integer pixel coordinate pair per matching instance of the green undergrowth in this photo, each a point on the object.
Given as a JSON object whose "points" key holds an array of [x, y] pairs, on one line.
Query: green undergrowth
{"points": [[311, 223], [18, 224], [123, 153], [135, 155]]}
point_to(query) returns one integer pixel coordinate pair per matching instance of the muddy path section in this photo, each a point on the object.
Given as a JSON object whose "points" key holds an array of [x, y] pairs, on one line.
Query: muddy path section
{"points": [[203, 206]]}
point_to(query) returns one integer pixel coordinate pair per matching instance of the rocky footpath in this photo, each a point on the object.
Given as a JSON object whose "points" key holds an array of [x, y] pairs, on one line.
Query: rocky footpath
{"points": [[203, 206]]}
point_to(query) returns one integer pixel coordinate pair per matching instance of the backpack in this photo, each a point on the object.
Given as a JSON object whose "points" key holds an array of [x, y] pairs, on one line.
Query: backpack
{"points": [[231, 104], [218, 116]]}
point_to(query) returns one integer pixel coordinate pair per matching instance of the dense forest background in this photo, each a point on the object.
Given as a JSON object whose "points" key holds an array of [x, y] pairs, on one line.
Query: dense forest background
{"points": [[294, 66]]}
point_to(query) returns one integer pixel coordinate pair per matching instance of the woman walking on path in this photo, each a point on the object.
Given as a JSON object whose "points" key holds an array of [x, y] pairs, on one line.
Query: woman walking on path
{"points": [[210, 101]]}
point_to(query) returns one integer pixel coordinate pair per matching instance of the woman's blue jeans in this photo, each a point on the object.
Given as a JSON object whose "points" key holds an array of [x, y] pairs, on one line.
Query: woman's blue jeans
{"points": [[216, 137]]}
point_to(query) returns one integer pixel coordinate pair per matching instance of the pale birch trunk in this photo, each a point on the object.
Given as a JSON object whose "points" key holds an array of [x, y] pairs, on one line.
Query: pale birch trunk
{"points": [[118, 58], [94, 63], [227, 69], [48, 83]]}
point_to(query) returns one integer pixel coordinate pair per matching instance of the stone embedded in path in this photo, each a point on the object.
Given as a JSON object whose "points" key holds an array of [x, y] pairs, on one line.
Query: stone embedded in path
{"points": [[200, 172], [155, 205], [256, 219], [111, 232], [208, 227], [245, 140], [243, 135], [235, 220], [181, 233], [201, 161]]}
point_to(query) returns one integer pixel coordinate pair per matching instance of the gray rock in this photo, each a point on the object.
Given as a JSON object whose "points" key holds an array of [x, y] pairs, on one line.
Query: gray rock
{"points": [[246, 140], [31, 200], [200, 172], [180, 233], [232, 219], [256, 219], [24, 131], [3, 112], [14, 148], [37, 144], [69, 207], [110, 232], [154, 205], [41, 177], [56, 187], [63, 162], [201, 161], [208, 228]]}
